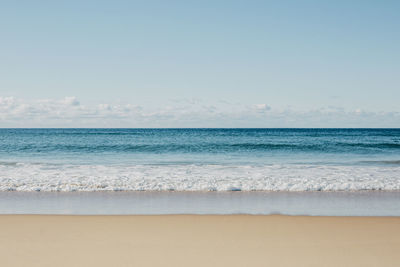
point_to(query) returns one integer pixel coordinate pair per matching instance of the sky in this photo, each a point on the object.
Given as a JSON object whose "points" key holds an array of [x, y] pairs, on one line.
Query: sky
{"points": [[199, 63]]}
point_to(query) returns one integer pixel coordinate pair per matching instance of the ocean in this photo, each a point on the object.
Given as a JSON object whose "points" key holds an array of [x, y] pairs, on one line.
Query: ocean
{"points": [[199, 159], [203, 171]]}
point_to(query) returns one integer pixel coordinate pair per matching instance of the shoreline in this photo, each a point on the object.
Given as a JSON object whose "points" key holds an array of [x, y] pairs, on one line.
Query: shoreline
{"points": [[198, 240], [377, 203]]}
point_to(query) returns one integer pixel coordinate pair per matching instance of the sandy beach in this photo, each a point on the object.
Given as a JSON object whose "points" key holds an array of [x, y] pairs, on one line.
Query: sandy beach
{"points": [[193, 240]]}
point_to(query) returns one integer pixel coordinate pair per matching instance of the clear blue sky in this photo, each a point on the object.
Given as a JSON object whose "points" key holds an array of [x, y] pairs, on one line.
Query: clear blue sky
{"points": [[279, 57]]}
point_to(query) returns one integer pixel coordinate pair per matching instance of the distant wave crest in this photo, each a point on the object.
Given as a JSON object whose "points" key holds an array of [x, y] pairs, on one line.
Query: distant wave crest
{"points": [[199, 147]]}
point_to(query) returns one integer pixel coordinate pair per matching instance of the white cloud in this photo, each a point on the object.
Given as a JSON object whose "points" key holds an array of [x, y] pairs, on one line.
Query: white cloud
{"points": [[6, 101], [262, 107], [71, 101], [358, 111], [69, 112], [104, 107]]}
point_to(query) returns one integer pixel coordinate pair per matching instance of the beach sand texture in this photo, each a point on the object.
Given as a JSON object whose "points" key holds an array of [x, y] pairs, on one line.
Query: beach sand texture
{"points": [[198, 240]]}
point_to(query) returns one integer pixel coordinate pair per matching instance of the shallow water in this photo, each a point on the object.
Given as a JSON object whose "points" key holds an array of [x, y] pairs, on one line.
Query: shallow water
{"points": [[290, 203]]}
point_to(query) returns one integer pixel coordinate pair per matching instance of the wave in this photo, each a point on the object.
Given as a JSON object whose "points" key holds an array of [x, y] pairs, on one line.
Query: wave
{"points": [[388, 162], [372, 145], [279, 177], [199, 147]]}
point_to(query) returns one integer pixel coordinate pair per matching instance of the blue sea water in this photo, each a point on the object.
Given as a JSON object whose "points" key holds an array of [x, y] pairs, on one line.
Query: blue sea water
{"points": [[199, 159]]}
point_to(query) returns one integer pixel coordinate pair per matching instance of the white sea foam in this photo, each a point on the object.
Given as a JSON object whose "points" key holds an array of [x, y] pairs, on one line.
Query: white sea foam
{"points": [[47, 177]]}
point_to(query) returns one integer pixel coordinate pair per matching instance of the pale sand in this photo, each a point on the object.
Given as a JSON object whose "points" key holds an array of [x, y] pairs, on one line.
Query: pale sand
{"points": [[190, 240]]}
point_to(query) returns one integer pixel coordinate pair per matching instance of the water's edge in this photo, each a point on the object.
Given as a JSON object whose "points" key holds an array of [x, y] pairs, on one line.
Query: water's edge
{"points": [[367, 203]]}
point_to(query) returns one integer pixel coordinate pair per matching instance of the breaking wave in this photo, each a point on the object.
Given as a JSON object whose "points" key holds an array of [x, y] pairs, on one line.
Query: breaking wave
{"points": [[277, 177]]}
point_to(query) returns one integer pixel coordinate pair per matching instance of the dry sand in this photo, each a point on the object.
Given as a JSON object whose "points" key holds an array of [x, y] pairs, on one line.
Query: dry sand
{"points": [[190, 240]]}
